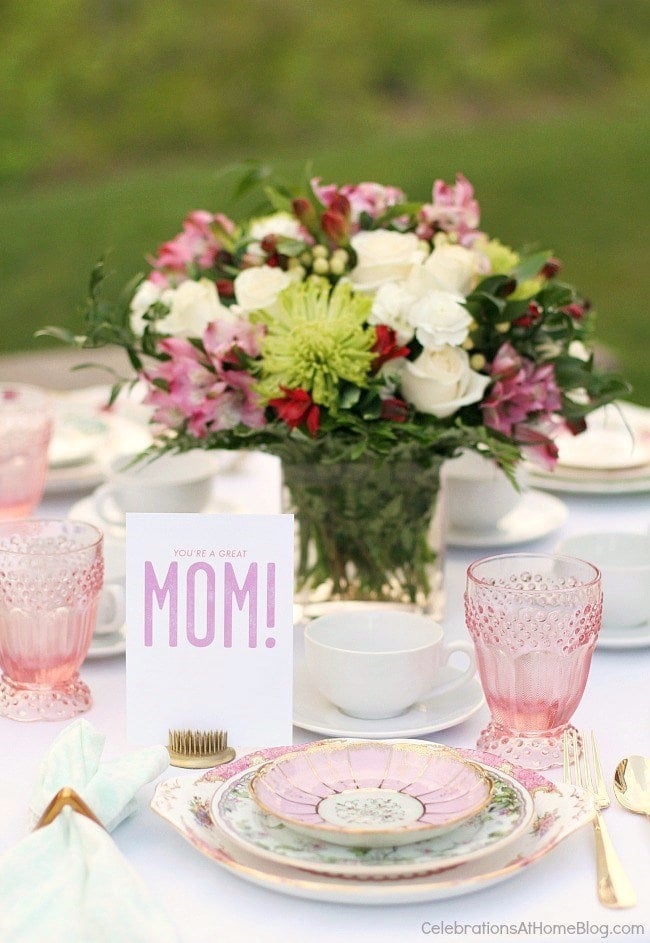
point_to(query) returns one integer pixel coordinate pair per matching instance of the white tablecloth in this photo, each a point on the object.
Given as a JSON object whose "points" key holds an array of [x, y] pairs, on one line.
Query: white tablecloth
{"points": [[209, 904]]}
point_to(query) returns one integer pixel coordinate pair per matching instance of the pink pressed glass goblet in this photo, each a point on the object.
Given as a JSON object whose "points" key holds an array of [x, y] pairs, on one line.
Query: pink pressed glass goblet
{"points": [[25, 430], [534, 620], [51, 575]]}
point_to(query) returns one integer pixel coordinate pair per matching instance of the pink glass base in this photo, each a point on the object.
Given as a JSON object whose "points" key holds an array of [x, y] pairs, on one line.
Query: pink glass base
{"points": [[24, 702], [534, 751]]}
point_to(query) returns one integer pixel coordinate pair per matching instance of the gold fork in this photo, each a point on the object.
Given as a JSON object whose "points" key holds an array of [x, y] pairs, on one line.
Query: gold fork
{"points": [[614, 888]]}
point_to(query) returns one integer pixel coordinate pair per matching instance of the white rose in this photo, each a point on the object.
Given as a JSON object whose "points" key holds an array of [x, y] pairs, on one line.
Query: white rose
{"points": [[384, 256], [391, 306], [278, 224], [453, 268], [438, 318], [193, 305], [259, 287], [146, 295], [440, 381]]}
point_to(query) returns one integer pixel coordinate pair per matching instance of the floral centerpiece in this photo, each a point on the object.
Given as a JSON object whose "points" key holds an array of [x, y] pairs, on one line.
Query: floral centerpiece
{"points": [[363, 339]]}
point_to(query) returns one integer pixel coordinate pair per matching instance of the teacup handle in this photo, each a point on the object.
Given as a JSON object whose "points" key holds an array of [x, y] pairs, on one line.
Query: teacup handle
{"points": [[470, 670], [117, 598], [106, 507]]}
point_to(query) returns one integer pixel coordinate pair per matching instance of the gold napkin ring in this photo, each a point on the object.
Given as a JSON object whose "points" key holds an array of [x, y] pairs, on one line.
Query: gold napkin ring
{"points": [[66, 797]]}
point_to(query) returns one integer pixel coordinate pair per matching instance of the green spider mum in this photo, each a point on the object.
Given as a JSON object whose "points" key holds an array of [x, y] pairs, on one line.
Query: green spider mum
{"points": [[316, 337]]}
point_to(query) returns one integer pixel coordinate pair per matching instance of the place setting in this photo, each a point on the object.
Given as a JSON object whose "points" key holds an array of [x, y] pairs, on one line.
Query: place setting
{"points": [[623, 558], [219, 814], [486, 509], [394, 820], [171, 484], [611, 457], [176, 484], [345, 666], [87, 434]]}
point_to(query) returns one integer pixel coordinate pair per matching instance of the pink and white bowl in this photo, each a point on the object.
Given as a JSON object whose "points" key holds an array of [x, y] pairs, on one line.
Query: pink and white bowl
{"points": [[372, 793]]}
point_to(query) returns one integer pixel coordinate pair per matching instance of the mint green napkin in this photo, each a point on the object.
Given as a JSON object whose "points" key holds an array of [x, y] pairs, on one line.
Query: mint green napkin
{"points": [[67, 882]]}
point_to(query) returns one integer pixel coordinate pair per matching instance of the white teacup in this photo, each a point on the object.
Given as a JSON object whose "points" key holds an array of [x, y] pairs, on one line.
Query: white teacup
{"points": [[478, 492], [171, 483], [377, 664], [111, 608], [624, 562]]}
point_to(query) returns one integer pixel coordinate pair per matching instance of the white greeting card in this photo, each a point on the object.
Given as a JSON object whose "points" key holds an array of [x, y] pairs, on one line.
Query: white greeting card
{"points": [[210, 626]]}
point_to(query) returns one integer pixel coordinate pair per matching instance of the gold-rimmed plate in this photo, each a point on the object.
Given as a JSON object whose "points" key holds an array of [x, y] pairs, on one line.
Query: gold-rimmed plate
{"points": [[185, 803], [370, 793], [505, 817]]}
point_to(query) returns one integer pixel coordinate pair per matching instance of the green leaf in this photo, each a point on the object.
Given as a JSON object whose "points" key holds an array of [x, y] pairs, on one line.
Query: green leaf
{"points": [[136, 363], [279, 201], [61, 334], [572, 373], [254, 176], [555, 295], [115, 392], [481, 303], [490, 285], [97, 276], [531, 265], [349, 396]]}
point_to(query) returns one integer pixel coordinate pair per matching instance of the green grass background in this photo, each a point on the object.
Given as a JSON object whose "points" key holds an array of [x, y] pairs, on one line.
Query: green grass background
{"points": [[121, 115]]}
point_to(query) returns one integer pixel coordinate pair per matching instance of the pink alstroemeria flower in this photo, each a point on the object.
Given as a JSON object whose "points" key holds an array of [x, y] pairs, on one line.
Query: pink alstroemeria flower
{"points": [[197, 245], [537, 445], [371, 198], [522, 401], [203, 389], [453, 210]]}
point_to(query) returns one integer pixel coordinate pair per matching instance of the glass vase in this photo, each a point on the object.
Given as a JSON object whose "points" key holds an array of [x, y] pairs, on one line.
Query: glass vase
{"points": [[368, 533]]}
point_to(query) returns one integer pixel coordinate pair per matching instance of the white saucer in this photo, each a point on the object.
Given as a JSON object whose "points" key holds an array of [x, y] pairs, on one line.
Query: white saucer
{"points": [[536, 515], [114, 643], [637, 636], [602, 450], [78, 452], [311, 711], [625, 481], [85, 510]]}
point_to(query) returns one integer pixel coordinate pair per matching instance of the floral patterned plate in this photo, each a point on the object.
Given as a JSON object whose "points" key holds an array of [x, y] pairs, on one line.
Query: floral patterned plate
{"points": [[241, 819], [185, 802], [371, 794]]}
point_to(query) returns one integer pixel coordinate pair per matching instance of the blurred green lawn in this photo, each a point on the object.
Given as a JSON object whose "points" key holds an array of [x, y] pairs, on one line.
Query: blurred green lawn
{"points": [[121, 117]]}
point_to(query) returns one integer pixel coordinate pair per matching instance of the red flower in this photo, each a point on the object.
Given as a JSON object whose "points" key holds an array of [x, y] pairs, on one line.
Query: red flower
{"points": [[394, 409], [551, 268], [576, 311], [385, 347], [269, 244], [296, 407], [336, 220], [576, 426], [225, 288], [532, 316], [304, 212]]}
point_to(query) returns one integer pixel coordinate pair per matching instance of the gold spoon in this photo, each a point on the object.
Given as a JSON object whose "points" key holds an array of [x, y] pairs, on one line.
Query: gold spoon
{"points": [[632, 784]]}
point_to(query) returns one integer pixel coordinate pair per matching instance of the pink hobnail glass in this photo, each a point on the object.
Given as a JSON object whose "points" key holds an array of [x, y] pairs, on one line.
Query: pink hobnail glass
{"points": [[25, 430], [51, 575], [534, 620]]}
